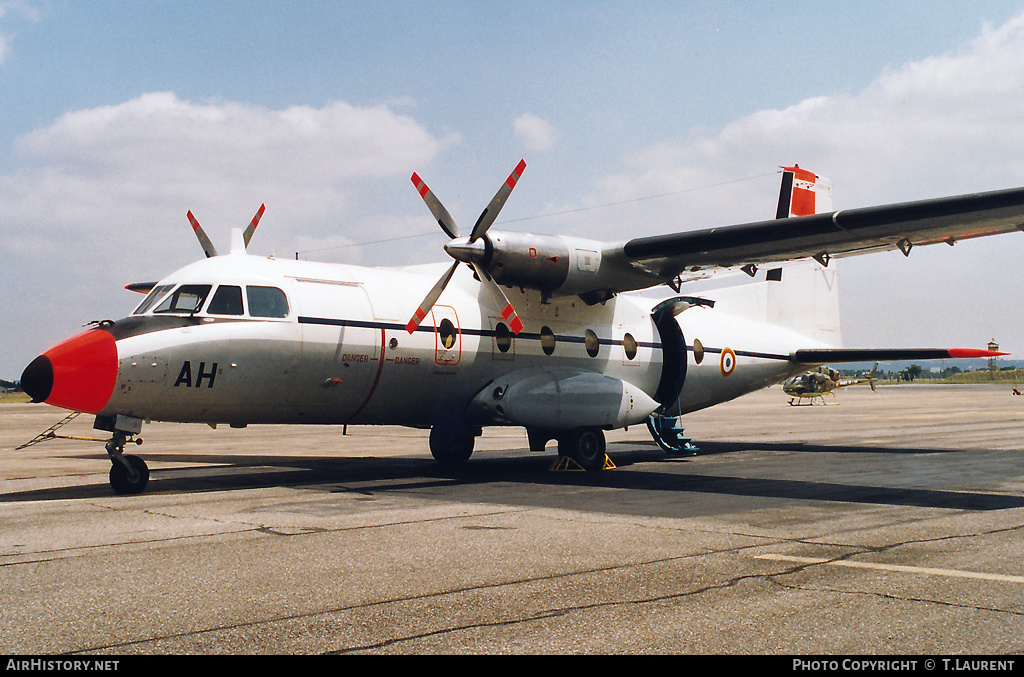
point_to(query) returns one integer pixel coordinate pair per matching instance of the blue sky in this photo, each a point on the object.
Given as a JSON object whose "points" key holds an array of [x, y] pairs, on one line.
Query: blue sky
{"points": [[117, 117]]}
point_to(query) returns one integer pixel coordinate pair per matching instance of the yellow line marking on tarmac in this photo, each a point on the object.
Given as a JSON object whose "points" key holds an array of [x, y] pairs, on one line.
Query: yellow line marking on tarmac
{"points": [[955, 573]]}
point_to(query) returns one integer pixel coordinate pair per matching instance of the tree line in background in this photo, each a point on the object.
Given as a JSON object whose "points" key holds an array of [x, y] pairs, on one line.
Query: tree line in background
{"points": [[954, 374]]}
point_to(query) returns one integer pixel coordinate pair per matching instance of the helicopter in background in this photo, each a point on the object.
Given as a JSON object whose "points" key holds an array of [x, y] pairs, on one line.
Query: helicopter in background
{"points": [[815, 384]]}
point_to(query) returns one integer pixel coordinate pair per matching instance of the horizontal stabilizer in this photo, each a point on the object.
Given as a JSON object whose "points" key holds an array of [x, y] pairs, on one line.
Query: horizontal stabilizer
{"points": [[828, 355]]}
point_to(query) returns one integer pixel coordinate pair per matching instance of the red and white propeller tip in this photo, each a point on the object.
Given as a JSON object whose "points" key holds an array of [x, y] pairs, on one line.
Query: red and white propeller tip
{"points": [[251, 228], [464, 249], [441, 215], [204, 241], [207, 244], [431, 298]]}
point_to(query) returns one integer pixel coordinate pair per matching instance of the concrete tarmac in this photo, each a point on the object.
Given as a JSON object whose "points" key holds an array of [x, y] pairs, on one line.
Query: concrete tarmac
{"points": [[886, 523]]}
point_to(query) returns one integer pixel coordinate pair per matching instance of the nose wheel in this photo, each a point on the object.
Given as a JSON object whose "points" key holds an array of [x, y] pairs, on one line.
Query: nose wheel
{"points": [[129, 474]]}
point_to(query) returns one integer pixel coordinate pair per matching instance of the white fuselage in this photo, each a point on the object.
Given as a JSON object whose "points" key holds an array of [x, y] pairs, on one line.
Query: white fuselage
{"points": [[341, 353]]}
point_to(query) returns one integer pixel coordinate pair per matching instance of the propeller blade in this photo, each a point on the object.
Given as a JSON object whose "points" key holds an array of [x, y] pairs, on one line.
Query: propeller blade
{"points": [[430, 299], [251, 228], [444, 219], [508, 313], [497, 202], [204, 241]]}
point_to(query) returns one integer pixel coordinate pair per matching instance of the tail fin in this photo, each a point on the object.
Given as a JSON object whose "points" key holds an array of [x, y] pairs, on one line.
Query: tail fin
{"points": [[803, 193], [807, 299]]}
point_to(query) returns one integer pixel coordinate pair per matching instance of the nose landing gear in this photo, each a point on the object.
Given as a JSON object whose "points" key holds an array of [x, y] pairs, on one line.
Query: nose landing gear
{"points": [[129, 474]]}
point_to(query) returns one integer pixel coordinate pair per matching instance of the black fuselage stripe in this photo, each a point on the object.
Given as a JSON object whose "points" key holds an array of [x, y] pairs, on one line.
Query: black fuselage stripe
{"points": [[135, 325], [565, 338], [490, 333]]}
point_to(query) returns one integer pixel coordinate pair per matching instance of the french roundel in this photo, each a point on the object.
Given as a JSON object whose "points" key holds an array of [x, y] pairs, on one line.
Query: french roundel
{"points": [[728, 363]]}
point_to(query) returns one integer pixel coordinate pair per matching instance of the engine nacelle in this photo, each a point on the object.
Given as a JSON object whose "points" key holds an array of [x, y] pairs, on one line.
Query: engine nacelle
{"points": [[528, 260], [550, 263]]}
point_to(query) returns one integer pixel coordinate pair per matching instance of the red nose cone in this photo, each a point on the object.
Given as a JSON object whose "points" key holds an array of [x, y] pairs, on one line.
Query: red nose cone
{"points": [[81, 375]]}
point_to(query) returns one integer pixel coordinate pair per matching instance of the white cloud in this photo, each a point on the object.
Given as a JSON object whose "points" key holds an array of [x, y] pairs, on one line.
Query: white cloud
{"points": [[137, 160], [159, 133], [536, 133], [944, 124], [19, 9]]}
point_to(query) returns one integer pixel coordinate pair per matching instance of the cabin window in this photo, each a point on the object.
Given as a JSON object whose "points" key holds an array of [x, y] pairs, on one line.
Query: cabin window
{"points": [[629, 345], [188, 298], [503, 337], [267, 302], [446, 330], [152, 298], [547, 340], [226, 301], [592, 343], [698, 351]]}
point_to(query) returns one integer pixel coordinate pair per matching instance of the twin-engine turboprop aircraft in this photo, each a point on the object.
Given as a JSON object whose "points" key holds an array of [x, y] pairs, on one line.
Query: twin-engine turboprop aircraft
{"points": [[522, 329]]}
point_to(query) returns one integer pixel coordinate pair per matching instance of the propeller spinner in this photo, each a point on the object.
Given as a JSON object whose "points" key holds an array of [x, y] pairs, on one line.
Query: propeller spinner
{"points": [[471, 250]]}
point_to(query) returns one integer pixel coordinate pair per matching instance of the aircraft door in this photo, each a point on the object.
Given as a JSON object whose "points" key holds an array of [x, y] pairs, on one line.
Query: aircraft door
{"points": [[673, 347], [342, 349]]}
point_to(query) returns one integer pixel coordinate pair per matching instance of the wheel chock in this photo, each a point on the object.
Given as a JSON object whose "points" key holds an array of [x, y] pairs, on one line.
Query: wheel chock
{"points": [[566, 464]]}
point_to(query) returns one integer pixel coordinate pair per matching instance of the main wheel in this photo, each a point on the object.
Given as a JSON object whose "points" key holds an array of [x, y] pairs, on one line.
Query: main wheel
{"points": [[451, 445], [585, 446], [132, 481]]}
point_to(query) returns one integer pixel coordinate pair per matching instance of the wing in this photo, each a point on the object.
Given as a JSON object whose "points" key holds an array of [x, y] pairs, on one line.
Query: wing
{"points": [[823, 236]]}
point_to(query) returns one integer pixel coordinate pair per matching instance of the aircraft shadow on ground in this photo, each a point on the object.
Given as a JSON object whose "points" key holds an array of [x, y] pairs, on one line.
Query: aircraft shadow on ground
{"points": [[641, 467]]}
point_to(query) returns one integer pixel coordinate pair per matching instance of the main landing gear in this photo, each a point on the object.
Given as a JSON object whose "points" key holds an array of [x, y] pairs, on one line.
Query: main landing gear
{"points": [[584, 446], [451, 444], [579, 449]]}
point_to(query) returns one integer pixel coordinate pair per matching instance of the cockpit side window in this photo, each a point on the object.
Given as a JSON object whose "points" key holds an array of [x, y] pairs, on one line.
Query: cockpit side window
{"points": [[266, 302], [188, 298], [226, 301], [152, 298]]}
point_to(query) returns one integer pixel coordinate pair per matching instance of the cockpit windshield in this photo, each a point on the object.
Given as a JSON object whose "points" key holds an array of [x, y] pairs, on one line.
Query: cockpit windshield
{"points": [[259, 301], [152, 298], [188, 298]]}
